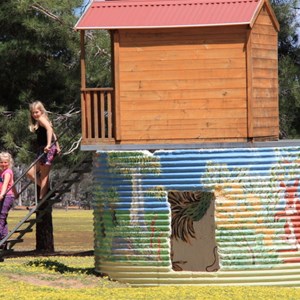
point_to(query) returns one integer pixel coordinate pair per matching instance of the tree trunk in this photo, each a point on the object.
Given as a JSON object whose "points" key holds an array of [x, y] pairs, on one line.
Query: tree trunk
{"points": [[44, 230], [44, 233]]}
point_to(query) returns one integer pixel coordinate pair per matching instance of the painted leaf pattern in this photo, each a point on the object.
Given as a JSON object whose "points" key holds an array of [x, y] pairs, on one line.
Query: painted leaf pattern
{"points": [[187, 207]]}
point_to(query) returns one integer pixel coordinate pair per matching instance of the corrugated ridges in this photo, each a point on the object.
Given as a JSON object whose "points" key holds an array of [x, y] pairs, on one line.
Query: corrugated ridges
{"points": [[165, 13]]}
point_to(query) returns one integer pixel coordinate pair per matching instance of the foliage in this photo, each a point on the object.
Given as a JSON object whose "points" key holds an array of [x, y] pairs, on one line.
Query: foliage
{"points": [[289, 104], [12, 136], [289, 66], [38, 52], [40, 60], [98, 58]]}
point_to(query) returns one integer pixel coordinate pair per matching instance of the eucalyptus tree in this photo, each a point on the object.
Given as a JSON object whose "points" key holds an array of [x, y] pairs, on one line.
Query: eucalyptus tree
{"points": [[288, 15], [38, 52], [39, 60]]}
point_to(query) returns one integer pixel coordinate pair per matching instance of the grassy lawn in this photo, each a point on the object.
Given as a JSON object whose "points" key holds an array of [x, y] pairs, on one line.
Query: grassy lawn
{"points": [[73, 277], [73, 230]]}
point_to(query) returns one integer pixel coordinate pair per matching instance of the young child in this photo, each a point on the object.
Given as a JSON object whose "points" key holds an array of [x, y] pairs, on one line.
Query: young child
{"points": [[46, 143], [7, 192]]}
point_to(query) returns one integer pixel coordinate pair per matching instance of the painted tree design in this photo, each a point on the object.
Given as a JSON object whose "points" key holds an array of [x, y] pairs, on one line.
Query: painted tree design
{"points": [[188, 207]]}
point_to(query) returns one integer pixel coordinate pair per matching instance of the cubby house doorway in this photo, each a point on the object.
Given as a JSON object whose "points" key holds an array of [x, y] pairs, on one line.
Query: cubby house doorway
{"points": [[193, 243]]}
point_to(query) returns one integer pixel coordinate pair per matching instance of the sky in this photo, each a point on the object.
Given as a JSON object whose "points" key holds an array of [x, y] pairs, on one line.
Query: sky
{"points": [[78, 11]]}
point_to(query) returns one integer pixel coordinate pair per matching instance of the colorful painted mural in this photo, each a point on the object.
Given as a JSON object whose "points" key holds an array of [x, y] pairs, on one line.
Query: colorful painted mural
{"points": [[211, 216]]}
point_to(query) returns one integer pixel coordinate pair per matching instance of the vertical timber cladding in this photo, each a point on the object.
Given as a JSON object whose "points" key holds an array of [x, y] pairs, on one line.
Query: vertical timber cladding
{"points": [[252, 195], [265, 78], [183, 84]]}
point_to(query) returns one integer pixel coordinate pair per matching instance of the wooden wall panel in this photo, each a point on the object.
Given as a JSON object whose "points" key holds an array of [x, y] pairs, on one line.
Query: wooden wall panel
{"points": [[179, 84], [163, 65], [185, 103], [196, 133], [265, 77]]}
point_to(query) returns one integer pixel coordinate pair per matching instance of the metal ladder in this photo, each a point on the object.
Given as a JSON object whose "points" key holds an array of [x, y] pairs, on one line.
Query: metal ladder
{"points": [[35, 214]]}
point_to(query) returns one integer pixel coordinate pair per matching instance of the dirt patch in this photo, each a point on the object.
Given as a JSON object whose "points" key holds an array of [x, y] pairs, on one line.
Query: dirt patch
{"points": [[55, 281], [59, 280]]}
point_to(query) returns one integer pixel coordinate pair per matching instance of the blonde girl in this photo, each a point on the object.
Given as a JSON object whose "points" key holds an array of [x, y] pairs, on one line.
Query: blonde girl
{"points": [[47, 146], [7, 191]]}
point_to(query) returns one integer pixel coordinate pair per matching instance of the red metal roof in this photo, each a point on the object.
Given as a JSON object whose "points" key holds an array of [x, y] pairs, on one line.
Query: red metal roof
{"points": [[167, 13]]}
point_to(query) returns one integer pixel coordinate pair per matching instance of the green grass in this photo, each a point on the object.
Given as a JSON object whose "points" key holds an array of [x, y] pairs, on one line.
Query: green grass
{"points": [[73, 230], [73, 277]]}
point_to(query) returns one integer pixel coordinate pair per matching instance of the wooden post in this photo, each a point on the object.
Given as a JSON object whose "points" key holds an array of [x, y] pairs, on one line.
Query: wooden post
{"points": [[116, 73], [82, 59], [249, 74], [83, 86]]}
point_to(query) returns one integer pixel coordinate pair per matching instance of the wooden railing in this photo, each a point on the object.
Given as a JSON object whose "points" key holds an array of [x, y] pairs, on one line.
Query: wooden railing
{"points": [[97, 105]]}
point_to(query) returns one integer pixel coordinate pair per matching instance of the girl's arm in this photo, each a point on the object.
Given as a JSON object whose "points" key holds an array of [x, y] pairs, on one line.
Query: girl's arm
{"points": [[4, 185]]}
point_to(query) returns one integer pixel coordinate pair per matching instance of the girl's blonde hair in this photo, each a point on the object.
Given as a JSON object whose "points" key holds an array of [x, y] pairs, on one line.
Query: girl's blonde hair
{"points": [[33, 124], [7, 156]]}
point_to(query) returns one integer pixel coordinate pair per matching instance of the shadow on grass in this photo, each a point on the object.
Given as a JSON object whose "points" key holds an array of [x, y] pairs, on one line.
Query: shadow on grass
{"points": [[59, 267], [46, 253]]}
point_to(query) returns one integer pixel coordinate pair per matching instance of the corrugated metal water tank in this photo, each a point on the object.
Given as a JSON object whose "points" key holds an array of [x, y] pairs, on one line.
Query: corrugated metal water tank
{"points": [[211, 216]]}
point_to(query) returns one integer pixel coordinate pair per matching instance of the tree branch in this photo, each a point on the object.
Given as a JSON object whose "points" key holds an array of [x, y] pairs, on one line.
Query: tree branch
{"points": [[47, 13], [73, 147]]}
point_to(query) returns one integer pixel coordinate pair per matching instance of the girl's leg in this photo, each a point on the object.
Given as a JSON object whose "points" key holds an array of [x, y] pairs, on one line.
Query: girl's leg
{"points": [[6, 206], [31, 174], [44, 179]]}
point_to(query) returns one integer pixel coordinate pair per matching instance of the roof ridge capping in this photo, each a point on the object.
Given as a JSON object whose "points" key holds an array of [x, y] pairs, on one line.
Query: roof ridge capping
{"points": [[164, 2], [115, 1]]}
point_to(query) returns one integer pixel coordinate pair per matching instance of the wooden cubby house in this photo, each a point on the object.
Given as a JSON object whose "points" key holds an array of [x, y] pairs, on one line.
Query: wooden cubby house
{"points": [[184, 73]]}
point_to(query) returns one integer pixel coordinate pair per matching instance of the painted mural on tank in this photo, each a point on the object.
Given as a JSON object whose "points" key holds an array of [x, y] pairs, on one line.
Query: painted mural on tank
{"points": [[211, 210], [133, 221]]}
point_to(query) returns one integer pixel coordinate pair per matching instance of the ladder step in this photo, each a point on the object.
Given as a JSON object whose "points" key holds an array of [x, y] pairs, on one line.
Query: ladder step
{"points": [[47, 209], [30, 221], [14, 241], [24, 230], [63, 191], [82, 171], [87, 161], [70, 181], [7, 251], [53, 201]]}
